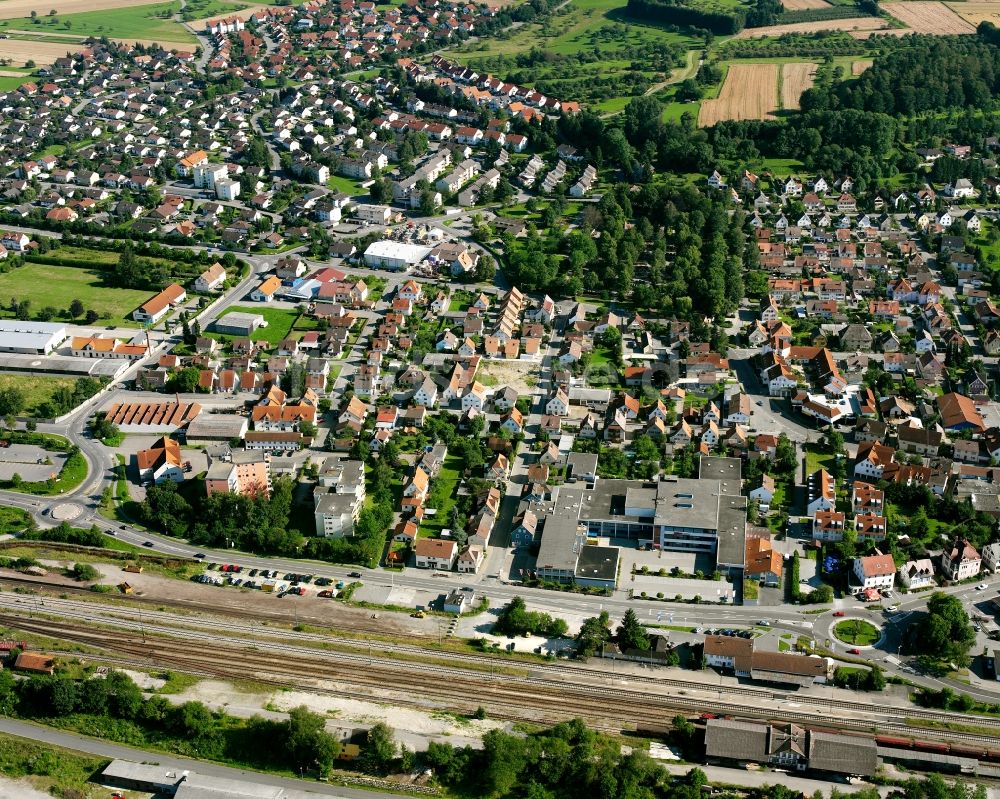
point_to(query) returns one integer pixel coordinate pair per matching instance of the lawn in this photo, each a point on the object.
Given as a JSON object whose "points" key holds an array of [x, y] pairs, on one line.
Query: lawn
{"points": [[36, 390], [988, 241], [816, 460], [346, 185], [8, 84], [856, 632], [153, 22], [442, 497], [279, 323], [57, 286]]}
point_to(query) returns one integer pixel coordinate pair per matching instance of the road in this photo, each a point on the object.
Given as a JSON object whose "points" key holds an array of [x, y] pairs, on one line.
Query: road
{"points": [[79, 743]]}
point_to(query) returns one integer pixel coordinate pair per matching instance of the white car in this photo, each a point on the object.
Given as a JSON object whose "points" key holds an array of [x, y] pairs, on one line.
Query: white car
{"points": [[982, 587]]}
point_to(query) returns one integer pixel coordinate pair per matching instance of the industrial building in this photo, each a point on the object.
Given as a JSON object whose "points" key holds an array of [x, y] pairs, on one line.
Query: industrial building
{"points": [[394, 255], [99, 368], [217, 427], [183, 784], [678, 514], [152, 417], [239, 324], [31, 338]]}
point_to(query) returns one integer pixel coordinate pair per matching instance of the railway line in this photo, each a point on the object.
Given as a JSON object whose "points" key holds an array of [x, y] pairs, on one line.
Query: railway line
{"points": [[144, 619], [426, 684]]}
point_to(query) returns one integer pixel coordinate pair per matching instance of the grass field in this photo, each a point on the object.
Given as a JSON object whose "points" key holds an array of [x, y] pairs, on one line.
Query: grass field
{"points": [[58, 286], [50, 769], [131, 21], [345, 185], [36, 390], [279, 323]]}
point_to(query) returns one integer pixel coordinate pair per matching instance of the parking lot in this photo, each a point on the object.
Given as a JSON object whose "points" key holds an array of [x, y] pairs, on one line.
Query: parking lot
{"points": [[33, 464]]}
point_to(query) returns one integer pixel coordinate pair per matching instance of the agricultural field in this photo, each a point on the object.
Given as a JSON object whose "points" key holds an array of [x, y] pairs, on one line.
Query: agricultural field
{"points": [[929, 16], [20, 52], [858, 67], [750, 91], [57, 286], [803, 5], [976, 11], [12, 9], [200, 16], [132, 22], [850, 24], [795, 79]]}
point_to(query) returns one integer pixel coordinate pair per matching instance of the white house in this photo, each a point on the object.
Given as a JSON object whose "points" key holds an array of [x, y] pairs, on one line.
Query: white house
{"points": [[435, 553], [876, 572], [558, 404]]}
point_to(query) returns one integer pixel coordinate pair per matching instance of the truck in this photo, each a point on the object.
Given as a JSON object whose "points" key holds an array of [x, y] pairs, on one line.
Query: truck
{"points": [[268, 586]]}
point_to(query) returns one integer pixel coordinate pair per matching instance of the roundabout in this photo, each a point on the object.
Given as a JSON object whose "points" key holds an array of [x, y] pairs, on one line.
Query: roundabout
{"points": [[856, 632]]}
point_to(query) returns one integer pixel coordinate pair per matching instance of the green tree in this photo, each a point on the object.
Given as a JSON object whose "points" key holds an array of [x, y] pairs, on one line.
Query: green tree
{"points": [[379, 751], [12, 401], [594, 633], [631, 634], [945, 633], [306, 741], [76, 309]]}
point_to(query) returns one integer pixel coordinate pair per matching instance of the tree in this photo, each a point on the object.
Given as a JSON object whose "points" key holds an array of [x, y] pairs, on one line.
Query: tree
{"points": [[306, 741], [76, 309], [785, 454], [12, 401], [631, 634], [945, 632], [184, 381], [379, 750], [594, 633], [91, 316]]}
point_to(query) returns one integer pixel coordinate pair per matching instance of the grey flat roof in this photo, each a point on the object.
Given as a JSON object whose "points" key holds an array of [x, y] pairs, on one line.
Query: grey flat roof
{"points": [[726, 470], [598, 563], [17, 326], [245, 320], [562, 531], [336, 503], [62, 364], [688, 503], [732, 531]]}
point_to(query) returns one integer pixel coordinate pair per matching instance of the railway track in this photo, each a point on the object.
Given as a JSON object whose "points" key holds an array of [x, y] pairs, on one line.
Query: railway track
{"points": [[279, 662], [116, 615]]}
